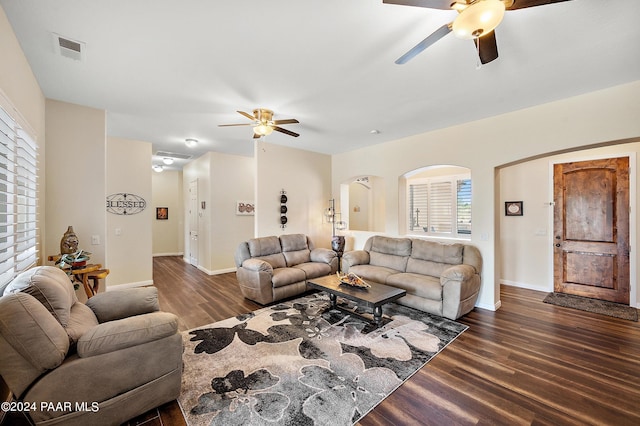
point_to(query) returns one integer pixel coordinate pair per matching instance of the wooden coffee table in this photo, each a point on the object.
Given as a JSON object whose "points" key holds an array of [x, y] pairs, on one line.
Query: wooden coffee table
{"points": [[374, 297]]}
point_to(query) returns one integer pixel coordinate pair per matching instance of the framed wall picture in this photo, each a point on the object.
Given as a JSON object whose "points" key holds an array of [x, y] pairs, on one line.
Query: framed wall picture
{"points": [[162, 213], [245, 208], [513, 208]]}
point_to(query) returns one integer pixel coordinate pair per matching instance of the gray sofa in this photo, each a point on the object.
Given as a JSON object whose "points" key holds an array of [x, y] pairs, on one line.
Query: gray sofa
{"points": [[442, 279], [274, 268], [99, 363]]}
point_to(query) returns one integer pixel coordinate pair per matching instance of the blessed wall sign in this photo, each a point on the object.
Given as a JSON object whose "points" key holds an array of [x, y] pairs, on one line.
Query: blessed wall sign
{"points": [[125, 204]]}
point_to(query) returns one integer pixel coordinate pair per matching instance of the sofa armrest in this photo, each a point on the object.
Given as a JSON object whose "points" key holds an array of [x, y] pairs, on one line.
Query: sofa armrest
{"points": [[124, 333], [355, 257], [257, 265], [460, 289], [458, 273], [118, 304], [322, 255]]}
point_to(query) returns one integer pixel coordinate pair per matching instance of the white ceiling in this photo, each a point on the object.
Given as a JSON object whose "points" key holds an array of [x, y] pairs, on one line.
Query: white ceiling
{"points": [[167, 70]]}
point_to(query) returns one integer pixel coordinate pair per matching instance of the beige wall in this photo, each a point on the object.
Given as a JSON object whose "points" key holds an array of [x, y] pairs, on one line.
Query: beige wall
{"points": [[484, 145], [168, 235], [222, 179], [129, 237], [306, 177], [75, 176]]}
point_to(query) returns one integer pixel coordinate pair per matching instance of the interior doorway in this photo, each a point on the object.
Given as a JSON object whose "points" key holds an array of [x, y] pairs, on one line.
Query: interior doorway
{"points": [[193, 222], [591, 229]]}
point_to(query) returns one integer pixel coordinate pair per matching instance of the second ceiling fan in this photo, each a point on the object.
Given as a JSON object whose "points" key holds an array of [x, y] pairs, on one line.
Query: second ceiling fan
{"points": [[264, 124], [476, 20]]}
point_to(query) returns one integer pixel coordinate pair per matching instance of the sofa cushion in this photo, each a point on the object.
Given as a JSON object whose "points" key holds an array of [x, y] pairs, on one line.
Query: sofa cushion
{"points": [[394, 246], [118, 304], [417, 284], [432, 258], [124, 333], [314, 269], [29, 328], [390, 252], [294, 258], [295, 249], [286, 276], [437, 252], [426, 267], [267, 249], [81, 319], [264, 246], [293, 242], [50, 286], [374, 273]]}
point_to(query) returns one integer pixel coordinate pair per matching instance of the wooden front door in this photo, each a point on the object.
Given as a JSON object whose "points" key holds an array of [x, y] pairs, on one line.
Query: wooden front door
{"points": [[591, 229]]}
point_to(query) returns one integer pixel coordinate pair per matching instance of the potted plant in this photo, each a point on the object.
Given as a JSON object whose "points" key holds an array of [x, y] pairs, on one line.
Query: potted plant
{"points": [[68, 262]]}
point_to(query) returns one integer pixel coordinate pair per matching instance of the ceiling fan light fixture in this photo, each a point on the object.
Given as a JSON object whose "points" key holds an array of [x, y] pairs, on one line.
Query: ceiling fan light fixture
{"points": [[263, 129], [478, 19]]}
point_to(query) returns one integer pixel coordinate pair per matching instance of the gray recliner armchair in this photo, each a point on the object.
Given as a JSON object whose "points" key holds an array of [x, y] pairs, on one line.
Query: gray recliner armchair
{"points": [[99, 363]]}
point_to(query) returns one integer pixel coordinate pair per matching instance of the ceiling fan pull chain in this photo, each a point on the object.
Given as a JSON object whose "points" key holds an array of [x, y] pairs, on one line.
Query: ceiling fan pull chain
{"points": [[478, 61]]}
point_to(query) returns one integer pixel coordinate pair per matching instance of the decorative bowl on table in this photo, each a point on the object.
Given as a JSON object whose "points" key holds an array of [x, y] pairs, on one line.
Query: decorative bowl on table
{"points": [[353, 280]]}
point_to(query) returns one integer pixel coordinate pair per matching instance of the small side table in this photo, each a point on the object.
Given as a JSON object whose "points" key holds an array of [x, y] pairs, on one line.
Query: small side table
{"points": [[83, 274]]}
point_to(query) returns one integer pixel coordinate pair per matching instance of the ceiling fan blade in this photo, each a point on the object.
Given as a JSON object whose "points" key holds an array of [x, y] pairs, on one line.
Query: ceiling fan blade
{"points": [[249, 116], [488, 49], [287, 121], [521, 4], [431, 4], [435, 36], [285, 131], [239, 124]]}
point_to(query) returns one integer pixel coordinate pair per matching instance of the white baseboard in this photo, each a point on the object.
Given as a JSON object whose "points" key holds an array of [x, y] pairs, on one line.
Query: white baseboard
{"points": [[525, 285], [217, 271], [494, 307], [167, 254], [129, 285]]}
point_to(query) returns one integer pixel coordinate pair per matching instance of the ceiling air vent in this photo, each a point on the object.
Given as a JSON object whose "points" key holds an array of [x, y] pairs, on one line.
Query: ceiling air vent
{"points": [[68, 48], [165, 154]]}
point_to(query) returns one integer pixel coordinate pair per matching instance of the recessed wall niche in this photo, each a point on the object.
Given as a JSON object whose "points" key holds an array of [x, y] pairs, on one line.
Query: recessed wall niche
{"points": [[362, 203]]}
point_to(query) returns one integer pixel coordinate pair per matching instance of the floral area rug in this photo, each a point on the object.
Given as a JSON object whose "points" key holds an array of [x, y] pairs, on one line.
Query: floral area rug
{"points": [[298, 363]]}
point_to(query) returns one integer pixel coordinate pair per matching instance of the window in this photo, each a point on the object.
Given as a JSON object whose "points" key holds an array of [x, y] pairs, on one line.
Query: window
{"points": [[439, 206], [18, 199]]}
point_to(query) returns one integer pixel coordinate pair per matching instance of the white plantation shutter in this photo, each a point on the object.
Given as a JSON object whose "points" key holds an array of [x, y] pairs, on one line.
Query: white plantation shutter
{"points": [[418, 211], [439, 206], [18, 198]]}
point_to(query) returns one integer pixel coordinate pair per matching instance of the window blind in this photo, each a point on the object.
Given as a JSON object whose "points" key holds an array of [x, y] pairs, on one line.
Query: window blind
{"points": [[18, 198], [418, 207], [439, 206]]}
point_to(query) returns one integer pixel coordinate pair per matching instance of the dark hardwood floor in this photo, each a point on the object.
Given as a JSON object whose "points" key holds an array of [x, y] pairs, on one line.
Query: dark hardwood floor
{"points": [[529, 363]]}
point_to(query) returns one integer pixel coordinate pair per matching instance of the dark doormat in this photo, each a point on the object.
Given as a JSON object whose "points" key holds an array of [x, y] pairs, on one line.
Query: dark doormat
{"points": [[596, 306]]}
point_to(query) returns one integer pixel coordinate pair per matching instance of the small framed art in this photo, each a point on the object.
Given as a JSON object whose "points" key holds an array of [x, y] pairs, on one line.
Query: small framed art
{"points": [[513, 208], [162, 213], [245, 208]]}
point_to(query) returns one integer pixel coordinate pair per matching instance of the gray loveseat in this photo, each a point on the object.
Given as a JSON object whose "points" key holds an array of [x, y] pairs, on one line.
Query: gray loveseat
{"points": [[99, 363], [441, 279], [274, 268]]}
